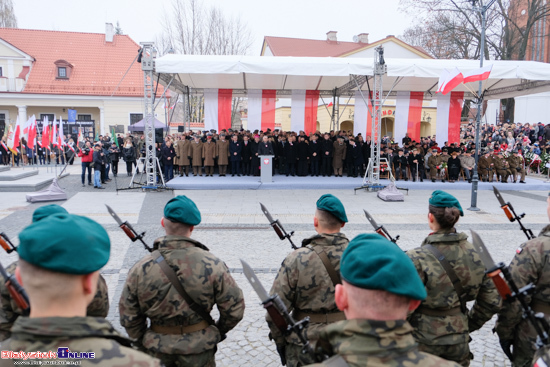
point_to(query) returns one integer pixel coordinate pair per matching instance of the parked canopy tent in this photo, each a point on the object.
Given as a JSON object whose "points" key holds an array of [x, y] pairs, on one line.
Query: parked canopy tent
{"points": [[508, 78], [140, 125]]}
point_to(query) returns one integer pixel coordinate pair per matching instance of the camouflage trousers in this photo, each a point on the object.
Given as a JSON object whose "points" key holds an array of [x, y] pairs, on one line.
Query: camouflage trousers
{"points": [[295, 357], [460, 353], [524, 345], [204, 359]]}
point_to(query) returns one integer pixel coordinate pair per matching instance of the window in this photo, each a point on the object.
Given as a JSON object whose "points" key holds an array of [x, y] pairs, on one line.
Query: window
{"points": [[84, 118], [135, 117], [50, 116], [1, 71], [62, 72], [64, 69], [119, 129]]}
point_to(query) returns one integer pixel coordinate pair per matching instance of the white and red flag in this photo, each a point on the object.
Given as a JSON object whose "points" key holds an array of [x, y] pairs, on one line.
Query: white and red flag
{"points": [[261, 109], [31, 139], [14, 137], [303, 110], [449, 111], [408, 115], [217, 109], [478, 74], [45, 133], [454, 79], [60, 141]]}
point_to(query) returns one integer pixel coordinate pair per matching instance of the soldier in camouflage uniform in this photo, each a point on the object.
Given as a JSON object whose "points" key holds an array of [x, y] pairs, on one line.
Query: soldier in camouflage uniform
{"points": [[178, 335], [10, 311], [59, 289], [442, 323], [304, 283], [379, 287], [531, 264], [516, 166]]}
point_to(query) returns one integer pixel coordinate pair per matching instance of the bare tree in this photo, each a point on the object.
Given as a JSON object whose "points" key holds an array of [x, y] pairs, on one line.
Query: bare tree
{"points": [[7, 15]]}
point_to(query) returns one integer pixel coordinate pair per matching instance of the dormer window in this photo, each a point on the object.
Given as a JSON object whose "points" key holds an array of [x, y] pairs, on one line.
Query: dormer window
{"points": [[61, 72], [63, 69]]}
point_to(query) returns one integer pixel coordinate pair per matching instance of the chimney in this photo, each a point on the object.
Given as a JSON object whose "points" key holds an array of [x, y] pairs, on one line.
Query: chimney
{"points": [[109, 32], [363, 37], [331, 36]]}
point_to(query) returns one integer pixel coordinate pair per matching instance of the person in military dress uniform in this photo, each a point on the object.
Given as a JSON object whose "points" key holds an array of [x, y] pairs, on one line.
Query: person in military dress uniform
{"points": [[307, 277], [501, 167], [10, 311], [434, 162], [178, 335], [485, 164], [442, 324], [222, 152], [516, 165], [61, 280], [379, 287], [530, 264]]}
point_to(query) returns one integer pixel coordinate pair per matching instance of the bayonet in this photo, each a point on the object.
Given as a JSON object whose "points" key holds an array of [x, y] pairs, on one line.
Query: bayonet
{"points": [[278, 227], [511, 213], [6, 243], [380, 229], [128, 229]]}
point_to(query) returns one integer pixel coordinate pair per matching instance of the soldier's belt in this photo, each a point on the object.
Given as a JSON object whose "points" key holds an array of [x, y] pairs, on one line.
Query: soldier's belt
{"points": [[539, 306], [179, 329], [321, 318], [439, 313]]}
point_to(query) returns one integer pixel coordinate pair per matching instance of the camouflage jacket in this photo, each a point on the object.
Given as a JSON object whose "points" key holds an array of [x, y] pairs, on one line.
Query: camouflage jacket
{"points": [[148, 294], [304, 284], [451, 330], [9, 312], [78, 334], [530, 265], [370, 343]]}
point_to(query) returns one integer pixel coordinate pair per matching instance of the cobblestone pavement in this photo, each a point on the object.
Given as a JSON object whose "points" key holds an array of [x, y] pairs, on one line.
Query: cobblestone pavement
{"points": [[233, 227]]}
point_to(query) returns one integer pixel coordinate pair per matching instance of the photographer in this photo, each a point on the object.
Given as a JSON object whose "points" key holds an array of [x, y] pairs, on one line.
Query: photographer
{"points": [[106, 145], [114, 154], [87, 158], [99, 165]]}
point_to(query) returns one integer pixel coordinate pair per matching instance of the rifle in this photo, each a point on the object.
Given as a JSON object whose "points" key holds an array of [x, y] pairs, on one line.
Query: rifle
{"points": [[6, 243], [511, 214], [279, 314], [278, 227], [17, 292], [380, 229], [128, 229], [509, 291]]}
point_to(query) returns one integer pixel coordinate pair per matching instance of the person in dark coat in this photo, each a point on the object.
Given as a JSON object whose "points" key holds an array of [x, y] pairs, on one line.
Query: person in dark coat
{"points": [[129, 156], [115, 153], [291, 154], [365, 149], [315, 155], [99, 166], [400, 163], [168, 154], [326, 155], [281, 148], [255, 161], [265, 147], [356, 158], [246, 155], [235, 155], [416, 162], [303, 157], [454, 165]]}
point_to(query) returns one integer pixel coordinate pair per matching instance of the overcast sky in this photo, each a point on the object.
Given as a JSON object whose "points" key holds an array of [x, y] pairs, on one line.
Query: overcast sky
{"points": [[142, 19]]}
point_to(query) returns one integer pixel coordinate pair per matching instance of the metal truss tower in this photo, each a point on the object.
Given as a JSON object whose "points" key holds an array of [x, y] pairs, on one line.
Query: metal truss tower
{"points": [[373, 173], [148, 65]]}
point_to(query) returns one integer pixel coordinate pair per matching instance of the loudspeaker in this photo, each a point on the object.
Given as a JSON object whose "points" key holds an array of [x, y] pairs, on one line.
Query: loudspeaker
{"points": [[159, 136], [180, 129]]}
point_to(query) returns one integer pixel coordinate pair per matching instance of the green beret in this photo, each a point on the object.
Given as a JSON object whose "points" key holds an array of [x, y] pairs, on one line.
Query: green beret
{"points": [[183, 210], [65, 243], [46, 211], [441, 199], [333, 205], [372, 262]]}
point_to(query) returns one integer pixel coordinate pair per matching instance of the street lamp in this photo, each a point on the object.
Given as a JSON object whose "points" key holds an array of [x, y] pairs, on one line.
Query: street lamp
{"points": [[475, 177]]}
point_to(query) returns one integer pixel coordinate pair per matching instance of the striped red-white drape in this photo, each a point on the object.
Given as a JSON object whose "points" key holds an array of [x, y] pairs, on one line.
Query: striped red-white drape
{"points": [[408, 114], [261, 109], [449, 111], [362, 119], [217, 109], [303, 108]]}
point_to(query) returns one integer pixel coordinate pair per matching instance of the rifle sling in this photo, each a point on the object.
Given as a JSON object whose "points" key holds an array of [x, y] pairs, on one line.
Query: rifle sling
{"points": [[169, 272], [326, 262], [451, 274]]}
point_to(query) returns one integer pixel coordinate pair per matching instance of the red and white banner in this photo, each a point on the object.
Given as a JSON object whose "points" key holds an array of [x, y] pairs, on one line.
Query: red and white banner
{"points": [[261, 109], [46, 133], [449, 110], [217, 109], [408, 114], [303, 109], [31, 133], [362, 119], [478, 74], [60, 140], [14, 137]]}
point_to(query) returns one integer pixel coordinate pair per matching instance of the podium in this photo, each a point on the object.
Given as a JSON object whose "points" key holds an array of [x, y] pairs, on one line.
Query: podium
{"points": [[266, 164]]}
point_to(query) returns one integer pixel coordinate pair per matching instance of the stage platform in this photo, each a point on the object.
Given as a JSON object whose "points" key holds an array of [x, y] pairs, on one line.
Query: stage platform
{"points": [[307, 183]]}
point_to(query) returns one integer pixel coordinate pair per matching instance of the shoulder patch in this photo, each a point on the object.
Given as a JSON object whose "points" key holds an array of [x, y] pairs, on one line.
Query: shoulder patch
{"points": [[519, 250]]}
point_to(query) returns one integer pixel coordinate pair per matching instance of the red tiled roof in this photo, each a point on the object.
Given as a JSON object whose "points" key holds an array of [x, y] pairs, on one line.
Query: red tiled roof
{"points": [[283, 46], [98, 65]]}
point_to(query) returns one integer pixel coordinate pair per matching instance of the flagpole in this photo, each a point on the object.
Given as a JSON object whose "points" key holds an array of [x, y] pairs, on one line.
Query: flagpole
{"points": [[475, 179]]}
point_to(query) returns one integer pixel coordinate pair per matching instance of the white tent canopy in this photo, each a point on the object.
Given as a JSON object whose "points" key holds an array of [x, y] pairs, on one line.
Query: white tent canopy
{"points": [[508, 78]]}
